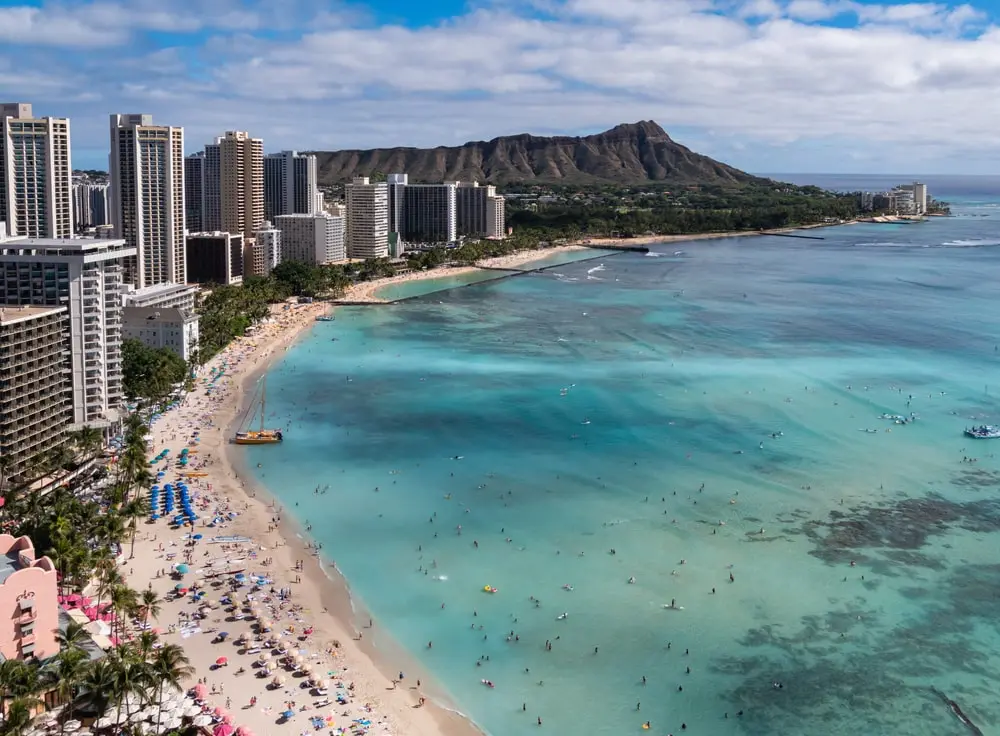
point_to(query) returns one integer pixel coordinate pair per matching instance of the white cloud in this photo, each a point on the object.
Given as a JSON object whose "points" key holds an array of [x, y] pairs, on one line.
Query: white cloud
{"points": [[907, 77]]}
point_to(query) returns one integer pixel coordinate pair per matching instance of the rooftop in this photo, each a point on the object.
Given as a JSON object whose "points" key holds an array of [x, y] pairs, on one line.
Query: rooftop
{"points": [[10, 315], [158, 314]]}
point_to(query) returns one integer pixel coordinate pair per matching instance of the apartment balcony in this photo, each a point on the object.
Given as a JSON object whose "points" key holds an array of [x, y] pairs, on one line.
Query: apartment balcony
{"points": [[28, 615]]}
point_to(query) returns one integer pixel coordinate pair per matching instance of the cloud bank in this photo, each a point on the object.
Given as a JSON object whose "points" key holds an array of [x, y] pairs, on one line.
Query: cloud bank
{"points": [[769, 85]]}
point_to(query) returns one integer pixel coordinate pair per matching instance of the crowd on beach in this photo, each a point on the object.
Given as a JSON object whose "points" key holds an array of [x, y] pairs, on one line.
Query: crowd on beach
{"points": [[267, 653]]}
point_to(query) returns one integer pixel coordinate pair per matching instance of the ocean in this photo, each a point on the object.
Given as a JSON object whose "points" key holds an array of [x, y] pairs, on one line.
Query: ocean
{"points": [[686, 453]]}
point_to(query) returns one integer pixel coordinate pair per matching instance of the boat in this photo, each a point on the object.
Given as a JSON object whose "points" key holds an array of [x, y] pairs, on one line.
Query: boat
{"points": [[325, 318], [984, 432], [259, 436]]}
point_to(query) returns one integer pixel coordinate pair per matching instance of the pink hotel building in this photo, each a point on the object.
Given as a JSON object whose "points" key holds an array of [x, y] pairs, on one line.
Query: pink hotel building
{"points": [[29, 605]]}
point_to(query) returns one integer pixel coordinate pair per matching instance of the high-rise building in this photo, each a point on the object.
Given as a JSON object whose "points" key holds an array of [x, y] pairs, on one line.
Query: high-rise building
{"points": [[194, 191], [36, 174], [211, 184], [215, 258], [311, 239], [496, 226], [471, 205], [428, 214], [269, 239], [367, 218], [86, 276], [90, 205], [396, 184], [35, 401], [147, 197], [290, 184], [241, 183]]}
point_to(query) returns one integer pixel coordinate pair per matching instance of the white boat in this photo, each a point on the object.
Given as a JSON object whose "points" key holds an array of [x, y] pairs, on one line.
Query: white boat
{"points": [[984, 432]]}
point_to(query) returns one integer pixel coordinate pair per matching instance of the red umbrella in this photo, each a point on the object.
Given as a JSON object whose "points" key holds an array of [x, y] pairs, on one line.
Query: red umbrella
{"points": [[228, 719], [223, 729], [221, 661]]}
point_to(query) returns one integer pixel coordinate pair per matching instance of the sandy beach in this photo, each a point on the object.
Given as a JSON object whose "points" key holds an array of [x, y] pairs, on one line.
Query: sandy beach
{"points": [[286, 601], [365, 291]]}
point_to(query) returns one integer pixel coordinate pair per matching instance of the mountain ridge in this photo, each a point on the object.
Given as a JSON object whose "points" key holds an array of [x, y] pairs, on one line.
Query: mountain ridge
{"points": [[629, 153]]}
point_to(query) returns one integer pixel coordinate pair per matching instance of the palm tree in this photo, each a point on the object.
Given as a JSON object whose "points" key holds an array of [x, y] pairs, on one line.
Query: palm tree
{"points": [[97, 689], [19, 714], [65, 673], [72, 639], [168, 666], [134, 510], [87, 441], [18, 679], [131, 676], [124, 601], [149, 601], [108, 578]]}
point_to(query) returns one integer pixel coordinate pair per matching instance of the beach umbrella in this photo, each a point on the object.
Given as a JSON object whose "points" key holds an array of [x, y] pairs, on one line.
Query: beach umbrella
{"points": [[221, 661], [202, 721], [228, 719], [219, 711], [200, 691], [197, 536], [191, 711], [71, 726], [288, 714], [223, 729], [243, 731], [105, 722], [264, 657], [183, 568], [179, 586]]}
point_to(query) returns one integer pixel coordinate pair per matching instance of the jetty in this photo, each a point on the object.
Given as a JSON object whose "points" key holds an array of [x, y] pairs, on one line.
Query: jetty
{"points": [[790, 235], [617, 246]]}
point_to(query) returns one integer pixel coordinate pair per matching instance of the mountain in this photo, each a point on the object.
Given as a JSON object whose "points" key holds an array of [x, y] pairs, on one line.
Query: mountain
{"points": [[627, 154]]}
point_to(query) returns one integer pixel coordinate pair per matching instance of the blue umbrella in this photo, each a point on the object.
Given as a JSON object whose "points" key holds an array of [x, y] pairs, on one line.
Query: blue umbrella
{"points": [[179, 586], [196, 536], [182, 568], [288, 713]]}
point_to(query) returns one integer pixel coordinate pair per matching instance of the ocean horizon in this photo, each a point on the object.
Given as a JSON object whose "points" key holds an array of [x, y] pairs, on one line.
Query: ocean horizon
{"points": [[723, 485]]}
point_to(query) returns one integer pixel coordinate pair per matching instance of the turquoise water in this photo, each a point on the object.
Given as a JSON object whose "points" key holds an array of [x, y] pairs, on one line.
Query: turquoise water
{"points": [[410, 289], [670, 408]]}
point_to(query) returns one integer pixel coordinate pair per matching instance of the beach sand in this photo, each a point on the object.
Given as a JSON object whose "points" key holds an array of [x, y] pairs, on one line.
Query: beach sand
{"points": [[339, 650], [366, 291]]}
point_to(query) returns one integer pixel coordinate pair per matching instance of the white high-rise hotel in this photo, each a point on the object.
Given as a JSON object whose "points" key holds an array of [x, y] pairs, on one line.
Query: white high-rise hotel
{"points": [[147, 197], [36, 176], [367, 219]]}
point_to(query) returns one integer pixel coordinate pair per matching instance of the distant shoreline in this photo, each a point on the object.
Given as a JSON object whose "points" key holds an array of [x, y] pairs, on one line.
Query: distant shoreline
{"points": [[367, 292]]}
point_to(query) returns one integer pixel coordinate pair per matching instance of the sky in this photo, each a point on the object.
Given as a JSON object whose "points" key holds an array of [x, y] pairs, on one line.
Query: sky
{"points": [[838, 86]]}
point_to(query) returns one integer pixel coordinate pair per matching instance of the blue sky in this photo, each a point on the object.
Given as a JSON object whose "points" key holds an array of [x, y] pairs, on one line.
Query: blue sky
{"points": [[767, 85]]}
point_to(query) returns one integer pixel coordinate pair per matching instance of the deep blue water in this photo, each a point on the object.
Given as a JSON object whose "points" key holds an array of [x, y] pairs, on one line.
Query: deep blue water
{"points": [[671, 407]]}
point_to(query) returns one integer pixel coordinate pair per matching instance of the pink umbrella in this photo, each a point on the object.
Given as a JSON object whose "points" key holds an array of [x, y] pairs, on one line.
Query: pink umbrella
{"points": [[228, 719], [200, 691], [243, 731], [219, 711], [223, 729]]}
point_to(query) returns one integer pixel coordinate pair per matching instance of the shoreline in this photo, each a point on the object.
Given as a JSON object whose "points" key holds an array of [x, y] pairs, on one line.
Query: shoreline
{"points": [[366, 292], [320, 597]]}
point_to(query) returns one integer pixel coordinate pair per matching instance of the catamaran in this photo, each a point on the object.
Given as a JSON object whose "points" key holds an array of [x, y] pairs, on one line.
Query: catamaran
{"points": [[983, 432], [258, 436]]}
